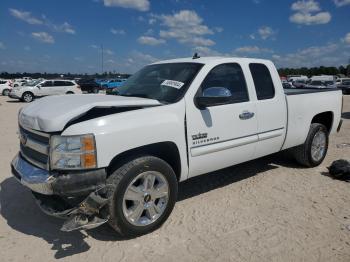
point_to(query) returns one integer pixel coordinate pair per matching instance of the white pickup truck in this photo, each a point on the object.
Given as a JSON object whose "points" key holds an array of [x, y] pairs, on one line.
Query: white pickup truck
{"points": [[97, 158]]}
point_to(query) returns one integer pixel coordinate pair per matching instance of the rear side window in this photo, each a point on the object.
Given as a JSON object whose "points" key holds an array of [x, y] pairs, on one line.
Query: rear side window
{"points": [[263, 82], [231, 77], [59, 83], [68, 83]]}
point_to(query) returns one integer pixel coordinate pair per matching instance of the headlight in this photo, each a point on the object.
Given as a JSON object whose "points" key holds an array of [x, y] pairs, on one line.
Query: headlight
{"points": [[73, 152]]}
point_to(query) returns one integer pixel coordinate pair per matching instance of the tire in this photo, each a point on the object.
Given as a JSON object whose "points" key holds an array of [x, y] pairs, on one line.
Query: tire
{"points": [[132, 173], [94, 90], [69, 93], [305, 153], [27, 97], [5, 92]]}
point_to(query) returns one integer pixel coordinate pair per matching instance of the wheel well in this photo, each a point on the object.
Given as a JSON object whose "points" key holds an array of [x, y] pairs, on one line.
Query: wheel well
{"points": [[70, 92], [166, 151], [325, 118], [27, 92]]}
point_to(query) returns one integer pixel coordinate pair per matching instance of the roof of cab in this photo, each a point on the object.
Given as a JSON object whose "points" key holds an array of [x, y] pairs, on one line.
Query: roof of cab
{"points": [[213, 59]]}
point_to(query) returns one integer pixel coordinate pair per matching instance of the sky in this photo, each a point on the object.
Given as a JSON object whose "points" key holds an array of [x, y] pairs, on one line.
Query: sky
{"points": [[67, 36]]}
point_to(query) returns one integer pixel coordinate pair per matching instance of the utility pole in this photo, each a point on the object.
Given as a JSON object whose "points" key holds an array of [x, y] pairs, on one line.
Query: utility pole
{"points": [[102, 59]]}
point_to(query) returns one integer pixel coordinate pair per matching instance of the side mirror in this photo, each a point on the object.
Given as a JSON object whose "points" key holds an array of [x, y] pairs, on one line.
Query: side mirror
{"points": [[213, 96]]}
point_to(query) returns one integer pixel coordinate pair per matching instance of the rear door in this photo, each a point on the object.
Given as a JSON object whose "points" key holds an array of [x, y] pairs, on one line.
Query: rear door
{"points": [[60, 87], [46, 88], [271, 108], [221, 136]]}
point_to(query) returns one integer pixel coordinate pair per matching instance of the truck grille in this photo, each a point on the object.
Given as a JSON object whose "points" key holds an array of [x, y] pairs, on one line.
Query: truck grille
{"points": [[34, 146]]}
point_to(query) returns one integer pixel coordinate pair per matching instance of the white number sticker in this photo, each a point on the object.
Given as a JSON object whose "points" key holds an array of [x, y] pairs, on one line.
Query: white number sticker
{"points": [[172, 83]]}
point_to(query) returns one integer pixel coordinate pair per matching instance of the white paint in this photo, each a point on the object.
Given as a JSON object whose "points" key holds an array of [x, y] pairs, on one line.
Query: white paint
{"points": [[278, 122]]}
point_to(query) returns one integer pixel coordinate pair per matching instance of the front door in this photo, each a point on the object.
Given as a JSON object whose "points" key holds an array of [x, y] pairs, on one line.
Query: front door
{"points": [[223, 135]]}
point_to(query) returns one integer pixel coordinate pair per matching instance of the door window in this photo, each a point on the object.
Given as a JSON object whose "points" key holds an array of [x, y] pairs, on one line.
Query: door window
{"points": [[263, 82], [229, 76], [46, 84]]}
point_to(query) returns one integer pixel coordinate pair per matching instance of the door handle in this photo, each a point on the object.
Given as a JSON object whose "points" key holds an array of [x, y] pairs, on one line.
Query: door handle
{"points": [[246, 115]]}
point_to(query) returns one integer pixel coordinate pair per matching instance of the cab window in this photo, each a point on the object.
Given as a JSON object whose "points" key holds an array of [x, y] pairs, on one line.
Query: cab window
{"points": [[231, 77], [262, 81]]}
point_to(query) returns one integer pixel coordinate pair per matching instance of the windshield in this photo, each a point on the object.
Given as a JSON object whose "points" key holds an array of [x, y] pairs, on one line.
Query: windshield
{"points": [[162, 82]]}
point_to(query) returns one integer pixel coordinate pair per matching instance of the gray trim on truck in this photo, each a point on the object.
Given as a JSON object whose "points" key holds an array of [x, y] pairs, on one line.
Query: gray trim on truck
{"points": [[300, 91]]}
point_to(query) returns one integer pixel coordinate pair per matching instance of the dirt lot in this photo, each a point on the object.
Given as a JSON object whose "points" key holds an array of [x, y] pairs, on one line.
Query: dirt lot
{"points": [[264, 210]]}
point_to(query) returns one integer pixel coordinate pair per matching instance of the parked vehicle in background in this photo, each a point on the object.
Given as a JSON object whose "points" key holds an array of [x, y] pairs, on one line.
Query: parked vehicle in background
{"points": [[28, 92], [124, 155], [299, 83], [286, 84], [113, 83], [89, 86], [5, 87], [292, 78], [19, 82], [321, 84], [340, 81], [323, 78], [345, 87]]}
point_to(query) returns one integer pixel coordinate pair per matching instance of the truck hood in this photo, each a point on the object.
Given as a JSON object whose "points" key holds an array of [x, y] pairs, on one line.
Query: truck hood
{"points": [[53, 113]]}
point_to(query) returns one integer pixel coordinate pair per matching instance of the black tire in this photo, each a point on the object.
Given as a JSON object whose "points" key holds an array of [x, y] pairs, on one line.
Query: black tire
{"points": [[302, 153], [95, 90], [120, 180], [69, 93], [5, 92], [27, 97]]}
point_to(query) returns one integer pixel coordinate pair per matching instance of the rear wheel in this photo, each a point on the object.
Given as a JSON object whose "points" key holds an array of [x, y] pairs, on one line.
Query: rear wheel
{"points": [[27, 97], [143, 194], [314, 150], [5, 92], [69, 93]]}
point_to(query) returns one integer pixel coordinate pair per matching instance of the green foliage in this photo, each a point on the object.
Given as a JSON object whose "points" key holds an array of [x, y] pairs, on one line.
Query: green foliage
{"points": [[322, 70]]}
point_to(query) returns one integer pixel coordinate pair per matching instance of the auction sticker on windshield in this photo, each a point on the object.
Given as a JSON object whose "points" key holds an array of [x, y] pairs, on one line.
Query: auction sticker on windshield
{"points": [[172, 83]]}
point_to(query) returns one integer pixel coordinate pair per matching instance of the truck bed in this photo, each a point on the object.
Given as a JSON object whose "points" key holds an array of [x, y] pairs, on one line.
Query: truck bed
{"points": [[299, 91], [303, 108]]}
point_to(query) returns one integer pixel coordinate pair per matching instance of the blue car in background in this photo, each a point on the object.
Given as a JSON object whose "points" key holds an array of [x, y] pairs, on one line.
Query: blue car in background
{"points": [[112, 83]]}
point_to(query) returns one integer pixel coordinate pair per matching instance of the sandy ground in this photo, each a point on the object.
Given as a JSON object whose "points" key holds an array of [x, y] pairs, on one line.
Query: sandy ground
{"points": [[265, 210]]}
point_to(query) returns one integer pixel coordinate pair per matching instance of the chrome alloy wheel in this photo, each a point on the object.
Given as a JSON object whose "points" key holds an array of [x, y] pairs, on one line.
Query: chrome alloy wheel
{"points": [[27, 97], [318, 146], [145, 198]]}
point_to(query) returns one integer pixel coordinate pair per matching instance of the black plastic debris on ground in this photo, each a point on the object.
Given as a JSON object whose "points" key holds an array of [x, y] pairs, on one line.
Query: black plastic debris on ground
{"points": [[340, 169]]}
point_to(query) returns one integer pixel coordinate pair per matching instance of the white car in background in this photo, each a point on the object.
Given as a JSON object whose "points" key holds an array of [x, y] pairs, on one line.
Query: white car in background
{"points": [[321, 84], [5, 87], [341, 81], [34, 89], [19, 82]]}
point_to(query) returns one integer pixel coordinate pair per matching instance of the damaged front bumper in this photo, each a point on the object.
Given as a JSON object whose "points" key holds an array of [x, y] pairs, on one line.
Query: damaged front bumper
{"points": [[75, 196]]}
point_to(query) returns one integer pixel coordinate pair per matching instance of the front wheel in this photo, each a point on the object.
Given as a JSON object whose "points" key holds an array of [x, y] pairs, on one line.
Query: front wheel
{"points": [[27, 97], [314, 150], [142, 195]]}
